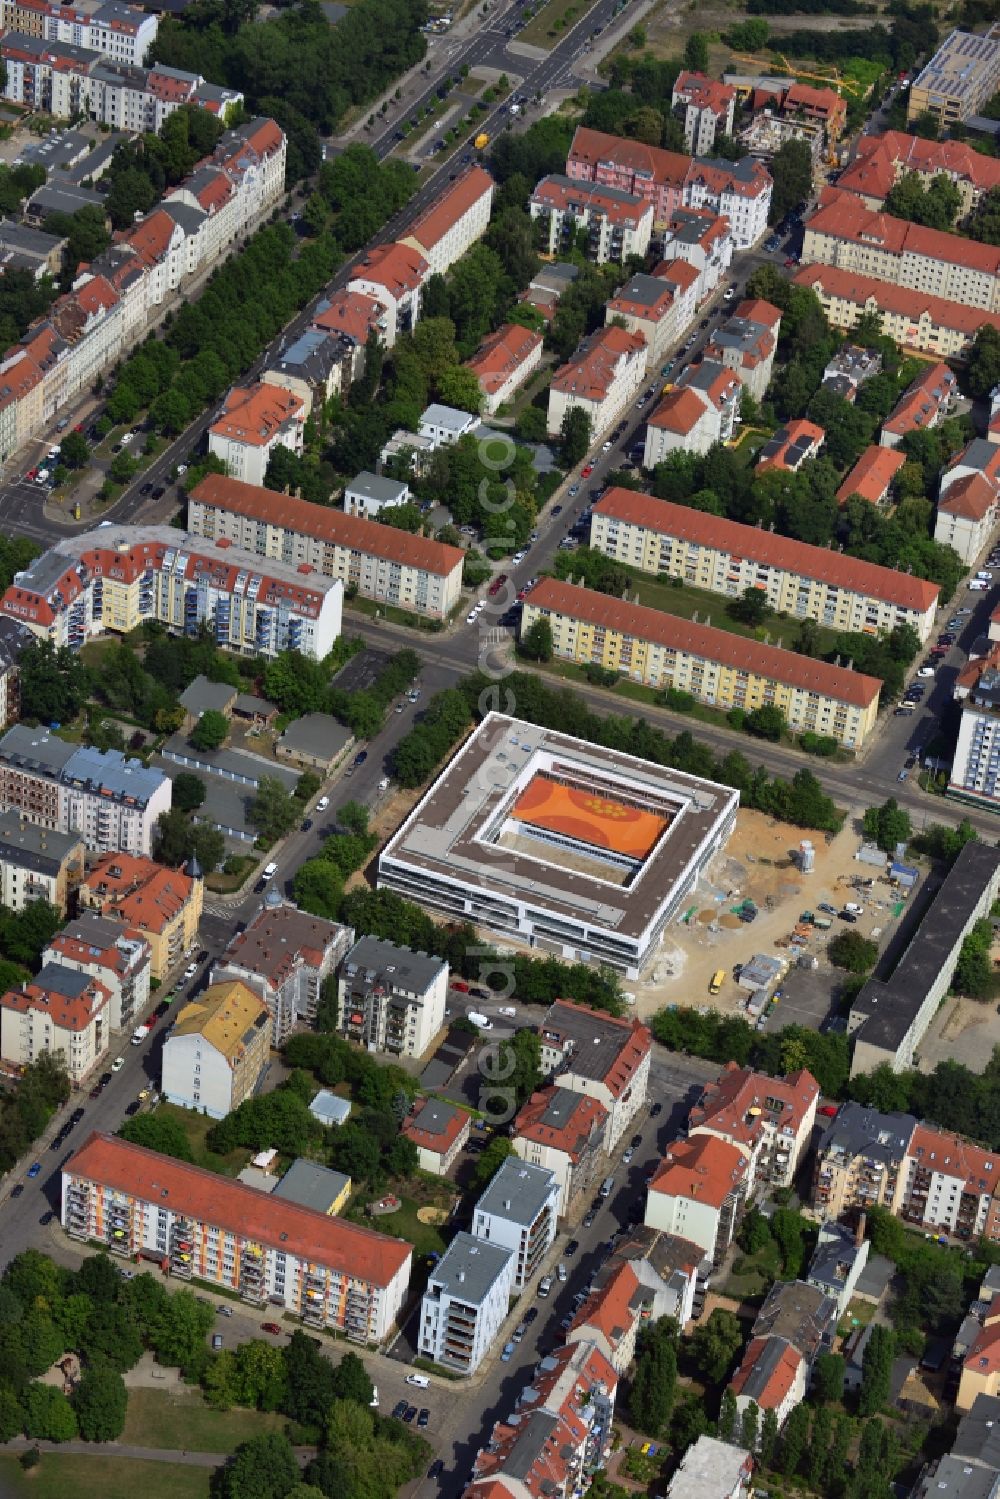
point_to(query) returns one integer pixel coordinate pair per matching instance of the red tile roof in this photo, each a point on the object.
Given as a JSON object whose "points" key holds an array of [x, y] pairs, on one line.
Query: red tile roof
{"points": [[921, 403], [792, 433], [456, 1123], [705, 642], [823, 101], [398, 268], [350, 313], [445, 212], [970, 498], [614, 1308], [591, 369], [618, 207], [781, 1378], [704, 93], [209, 1198], [501, 354], [984, 1355], [702, 1168], [650, 311], [844, 216], [332, 526], [571, 1132], [592, 148], [680, 411], [881, 159], [255, 414], [769, 549], [872, 295], [743, 1103], [871, 475], [68, 1012], [139, 891], [937, 1150], [757, 310]]}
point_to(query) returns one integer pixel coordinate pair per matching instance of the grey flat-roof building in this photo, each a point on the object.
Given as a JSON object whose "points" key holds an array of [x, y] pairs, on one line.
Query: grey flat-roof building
{"points": [[204, 696], [466, 1301], [26, 249], [390, 998], [61, 197], [712, 1470], [37, 863], [888, 1017], [314, 1186], [519, 1209], [316, 739]]}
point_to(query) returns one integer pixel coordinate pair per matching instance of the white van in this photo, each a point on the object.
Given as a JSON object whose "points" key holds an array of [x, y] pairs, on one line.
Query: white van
{"points": [[607, 1187], [270, 870], [482, 1021], [420, 1380], [562, 1272], [978, 585]]}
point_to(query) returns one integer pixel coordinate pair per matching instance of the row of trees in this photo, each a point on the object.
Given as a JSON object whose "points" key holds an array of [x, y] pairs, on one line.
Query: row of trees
{"points": [[42, 1088], [318, 884]]}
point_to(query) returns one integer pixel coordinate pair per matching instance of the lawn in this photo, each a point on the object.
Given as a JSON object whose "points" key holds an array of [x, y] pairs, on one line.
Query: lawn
{"points": [[181, 1419], [686, 600], [425, 1238], [196, 1127], [756, 1272], [101, 1477], [550, 23]]}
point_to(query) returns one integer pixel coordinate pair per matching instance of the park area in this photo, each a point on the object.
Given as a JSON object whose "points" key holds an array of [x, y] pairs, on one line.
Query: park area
{"points": [[101, 1477]]}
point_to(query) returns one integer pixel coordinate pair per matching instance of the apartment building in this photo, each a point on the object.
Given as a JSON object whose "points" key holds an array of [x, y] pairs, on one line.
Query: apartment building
{"points": [[960, 78], [252, 423], [315, 366], [558, 1433], [923, 404], [888, 1018], [951, 1185], [872, 477], [393, 567], [439, 1130], [685, 282], [600, 1056], [975, 767], [707, 109], [746, 343], [705, 241], [564, 1132], [977, 1352], [716, 667], [352, 318], [739, 191], [698, 1193], [794, 1326], [969, 499], [914, 319], [119, 960], [647, 307], [727, 557], [443, 426], [37, 863], [99, 581], [216, 1050], [861, 1162], [285, 955], [109, 801], [838, 1261], [843, 233], [454, 221], [618, 224], [164, 904], [700, 410], [612, 1314], [768, 1119], [333, 1274], [59, 1011], [601, 378], [881, 161], [90, 327], [503, 362], [391, 999], [519, 1209], [393, 275], [122, 33], [712, 1470], [466, 1303]]}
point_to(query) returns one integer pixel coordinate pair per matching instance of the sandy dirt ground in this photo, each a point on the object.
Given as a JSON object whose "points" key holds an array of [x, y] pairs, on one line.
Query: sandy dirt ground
{"points": [[759, 864], [963, 1030]]}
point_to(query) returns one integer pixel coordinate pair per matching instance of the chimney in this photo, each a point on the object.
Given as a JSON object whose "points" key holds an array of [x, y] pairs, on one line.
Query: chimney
{"points": [[859, 1232]]}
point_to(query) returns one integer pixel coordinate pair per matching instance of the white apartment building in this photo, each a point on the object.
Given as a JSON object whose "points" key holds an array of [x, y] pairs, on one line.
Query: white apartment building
{"points": [[975, 767], [111, 802], [37, 864], [119, 960], [216, 1050], [465, 1304], [698, 1193], [602, 378], [705, 240], [618, 224], [252, 423], [443, 426], [391, 999], [648, 308], [968, 506], [121, 32], [333, 1274], [519, 1210], [701, 410], [564, 1132], [746, 343], [708, 110], [382, 563], [285, 955], [601, 1056], [503, 362], [454, 221], [739, 191], [769, 1120], [61, 1012], [726, 557], [844, 233], [393, 275], [103, 581]]}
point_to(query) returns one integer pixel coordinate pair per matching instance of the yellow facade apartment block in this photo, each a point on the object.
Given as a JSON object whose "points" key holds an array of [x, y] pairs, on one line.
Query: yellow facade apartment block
{"points": [[715, 667]]}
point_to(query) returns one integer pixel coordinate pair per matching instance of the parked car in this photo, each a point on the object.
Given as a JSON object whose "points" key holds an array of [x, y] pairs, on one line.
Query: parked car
{"points": [[117, 1064], [423, 1417], [34, 1170], [655, 1110], [399, 1410], [507, 1354], [436, 1468], [271, 1327]]}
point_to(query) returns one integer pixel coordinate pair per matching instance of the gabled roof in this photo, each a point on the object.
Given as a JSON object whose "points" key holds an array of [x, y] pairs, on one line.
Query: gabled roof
{"points": [[970, 498], [399, 268], [435, 1125], [560, 1119], [594, 365], [255, 414], [871, 476], [767, 1372], [501, 354], [613, 1309], [449, 208], [593, 148], [702, 1169], [870, 294], [844, 216]]}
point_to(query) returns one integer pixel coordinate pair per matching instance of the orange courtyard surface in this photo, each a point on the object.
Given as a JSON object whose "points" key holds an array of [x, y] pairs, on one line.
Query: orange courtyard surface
{"points": [[596, 820]]}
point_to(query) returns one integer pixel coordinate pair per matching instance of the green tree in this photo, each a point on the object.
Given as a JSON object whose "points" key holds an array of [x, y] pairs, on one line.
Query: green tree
{"points": [[48, 1415], [750, 1426], [178, 1333], [983, 361], [74, 451], [765, 722], [54, 683], [100, 1401], [794, 1439], [574, 436], [818, 1455], [351, 1381], [536, 641], [713, 1345], [729, 1419], [876, 1370], [887, 825], [828, 1377], [654, 1385], [751, 608], [853, 952], [188, 792], [791, 171], [211, 731], [311, 1380], [273, 811], [696, 52], [491, 1160], [318, 888], [768, 1437], [973, 974], [158, 1132], [265, 1467]]}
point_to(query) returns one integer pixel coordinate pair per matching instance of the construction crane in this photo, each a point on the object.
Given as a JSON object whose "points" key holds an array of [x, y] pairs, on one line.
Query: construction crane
{"points": [[832, 79]]}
